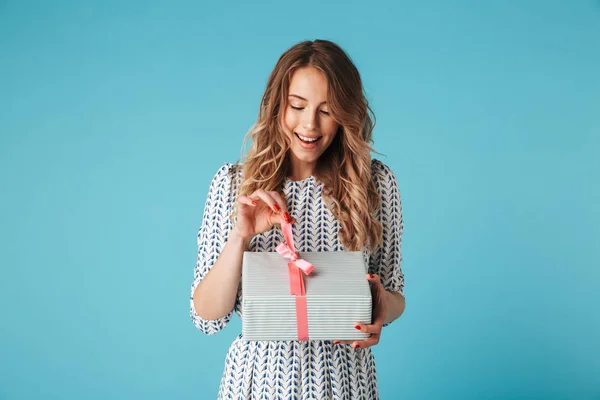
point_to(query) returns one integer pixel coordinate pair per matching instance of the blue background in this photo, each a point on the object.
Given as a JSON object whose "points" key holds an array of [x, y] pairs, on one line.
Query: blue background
{"points": [[115, 116]]}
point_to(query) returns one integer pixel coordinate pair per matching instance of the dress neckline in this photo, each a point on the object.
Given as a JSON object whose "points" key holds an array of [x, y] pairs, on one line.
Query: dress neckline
{"points": [[301, 181]]}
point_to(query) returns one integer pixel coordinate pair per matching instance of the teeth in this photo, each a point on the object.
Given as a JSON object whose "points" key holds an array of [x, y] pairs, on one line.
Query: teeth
{"points": [[307, 139]]}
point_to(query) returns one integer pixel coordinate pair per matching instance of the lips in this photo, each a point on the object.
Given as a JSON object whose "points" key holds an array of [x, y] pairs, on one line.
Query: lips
{"points": [[312, 141]]}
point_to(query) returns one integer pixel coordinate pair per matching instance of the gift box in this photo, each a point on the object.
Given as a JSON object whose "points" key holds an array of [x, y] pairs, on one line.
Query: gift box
{"points": [[304, 296]]}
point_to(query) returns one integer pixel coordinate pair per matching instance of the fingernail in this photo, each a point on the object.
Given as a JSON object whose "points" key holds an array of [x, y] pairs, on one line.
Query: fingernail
{"points": [[276, 208], [355, 346], [336, 342], [287, 217], [253, 203], [357, 327], [371, 276]]}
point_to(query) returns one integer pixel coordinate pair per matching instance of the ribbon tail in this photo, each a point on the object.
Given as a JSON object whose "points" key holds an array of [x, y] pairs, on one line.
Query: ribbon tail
{"points": [[296, 281], [295, 269], [301, 317], [286, 229]]}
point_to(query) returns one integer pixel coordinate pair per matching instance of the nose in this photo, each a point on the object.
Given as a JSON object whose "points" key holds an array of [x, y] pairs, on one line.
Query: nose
{"points": [[310, 120]]}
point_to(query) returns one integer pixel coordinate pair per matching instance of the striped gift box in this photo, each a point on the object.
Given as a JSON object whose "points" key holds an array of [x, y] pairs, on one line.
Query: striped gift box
{"points": [[336, 295]]}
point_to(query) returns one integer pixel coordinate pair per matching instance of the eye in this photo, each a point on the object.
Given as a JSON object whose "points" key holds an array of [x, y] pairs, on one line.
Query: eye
{"points": [[325, 112], [296, 108]]}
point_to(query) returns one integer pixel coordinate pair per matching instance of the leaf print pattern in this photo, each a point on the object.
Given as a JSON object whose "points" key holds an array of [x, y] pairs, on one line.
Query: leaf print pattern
{"points": [[291, 369]]}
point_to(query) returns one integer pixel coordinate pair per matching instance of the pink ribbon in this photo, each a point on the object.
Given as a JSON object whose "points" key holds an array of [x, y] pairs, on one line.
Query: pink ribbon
{"points": [[295, 268]]}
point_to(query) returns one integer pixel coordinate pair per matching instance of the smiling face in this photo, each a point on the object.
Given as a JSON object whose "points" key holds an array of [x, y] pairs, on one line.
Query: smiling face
{"points": [[307, 120]]}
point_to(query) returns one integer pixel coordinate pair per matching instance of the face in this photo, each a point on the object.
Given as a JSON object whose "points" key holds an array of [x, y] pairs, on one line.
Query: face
{"points": [[307, 119]]}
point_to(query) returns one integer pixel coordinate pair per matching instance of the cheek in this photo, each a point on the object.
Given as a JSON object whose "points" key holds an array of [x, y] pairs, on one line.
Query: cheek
{"points": [[330, 127], [289, 120]]}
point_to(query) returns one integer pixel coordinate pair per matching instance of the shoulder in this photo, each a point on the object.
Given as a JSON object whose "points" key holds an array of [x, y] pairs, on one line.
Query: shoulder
{"points": [[228, 171], [382, 173], [227, 176], [222, 175]]}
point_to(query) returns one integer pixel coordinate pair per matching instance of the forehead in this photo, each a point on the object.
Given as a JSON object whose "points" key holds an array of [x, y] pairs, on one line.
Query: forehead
{"points": [[309, 83]]}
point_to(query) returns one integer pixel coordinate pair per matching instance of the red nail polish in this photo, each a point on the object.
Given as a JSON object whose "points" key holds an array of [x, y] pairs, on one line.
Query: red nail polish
{"points": [[276, 208], [371, 276], [336, 342], [287, 217], [357, 327], [355, 346], [253, 203]]}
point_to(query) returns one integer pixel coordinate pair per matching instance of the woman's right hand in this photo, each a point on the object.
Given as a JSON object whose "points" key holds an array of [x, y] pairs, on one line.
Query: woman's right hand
{"points": [[258, 212]]}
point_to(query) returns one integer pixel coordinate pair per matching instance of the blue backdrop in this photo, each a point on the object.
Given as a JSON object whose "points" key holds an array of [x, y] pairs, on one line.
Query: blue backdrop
{"points": [[114, 116]]}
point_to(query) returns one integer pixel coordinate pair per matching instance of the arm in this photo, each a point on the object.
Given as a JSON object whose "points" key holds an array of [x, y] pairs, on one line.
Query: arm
{"points": [[218, 266], [221, 248], [386, 260], [385, 272], [395, 306], [215, 295]]}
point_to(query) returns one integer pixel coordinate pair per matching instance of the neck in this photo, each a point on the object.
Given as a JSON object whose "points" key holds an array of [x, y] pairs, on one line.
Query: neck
{"points": [[300, 170]]}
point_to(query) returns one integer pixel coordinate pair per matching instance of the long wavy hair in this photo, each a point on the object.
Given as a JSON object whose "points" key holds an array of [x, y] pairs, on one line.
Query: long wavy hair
{"points": [[345, 167]]}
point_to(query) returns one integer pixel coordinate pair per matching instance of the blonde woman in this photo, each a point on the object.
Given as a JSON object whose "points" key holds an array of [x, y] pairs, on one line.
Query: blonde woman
{"points": [[309, 164]]}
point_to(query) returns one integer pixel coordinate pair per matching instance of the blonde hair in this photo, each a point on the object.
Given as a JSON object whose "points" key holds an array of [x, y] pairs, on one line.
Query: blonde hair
{"points": [[345, 167]]}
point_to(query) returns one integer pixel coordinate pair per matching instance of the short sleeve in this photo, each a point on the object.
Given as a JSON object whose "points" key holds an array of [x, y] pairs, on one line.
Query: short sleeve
{"points": [[386, 259], [212, 237]]}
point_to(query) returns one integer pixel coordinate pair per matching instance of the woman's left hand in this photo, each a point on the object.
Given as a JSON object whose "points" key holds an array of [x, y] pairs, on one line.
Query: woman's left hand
{"points": [[380, 310]]}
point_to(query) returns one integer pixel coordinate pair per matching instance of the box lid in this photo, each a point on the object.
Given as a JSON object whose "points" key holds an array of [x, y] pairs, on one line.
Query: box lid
{"points": [[335, 274]]}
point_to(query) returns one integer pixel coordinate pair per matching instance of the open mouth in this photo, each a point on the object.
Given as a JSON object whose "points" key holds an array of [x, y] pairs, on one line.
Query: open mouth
{"points": [[307, 140]]}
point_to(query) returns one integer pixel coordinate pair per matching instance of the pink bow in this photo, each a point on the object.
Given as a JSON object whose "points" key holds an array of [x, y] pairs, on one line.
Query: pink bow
{"points": [[295, 268]]}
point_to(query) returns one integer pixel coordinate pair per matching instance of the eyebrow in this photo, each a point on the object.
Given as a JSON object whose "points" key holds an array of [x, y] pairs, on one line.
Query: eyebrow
{"points": [[302, 98]]}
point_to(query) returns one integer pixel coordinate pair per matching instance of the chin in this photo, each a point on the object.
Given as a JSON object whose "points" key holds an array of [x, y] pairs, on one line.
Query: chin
{"points": [[302, 156]]}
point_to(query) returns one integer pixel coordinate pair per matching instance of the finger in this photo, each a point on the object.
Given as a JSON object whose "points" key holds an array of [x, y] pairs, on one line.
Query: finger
{"points": [[374, 328], [275, 202], [247, 201], [282, 206], [270, 199], [361, 344], [267, 199], [340, 342], [279, 201], [375, 280], [277, 219]]}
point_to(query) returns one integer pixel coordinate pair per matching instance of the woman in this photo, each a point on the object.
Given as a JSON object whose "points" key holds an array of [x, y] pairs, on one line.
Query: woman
{"points": [[310, 165]]}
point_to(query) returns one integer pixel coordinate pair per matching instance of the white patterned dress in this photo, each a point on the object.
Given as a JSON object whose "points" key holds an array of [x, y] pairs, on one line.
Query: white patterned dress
{"points": [[292, 369]]}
